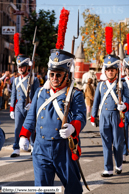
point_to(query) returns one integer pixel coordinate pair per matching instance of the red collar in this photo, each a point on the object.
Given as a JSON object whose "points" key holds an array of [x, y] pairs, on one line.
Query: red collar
{"points": [[24, 75], [111, 81], [57, 89]]}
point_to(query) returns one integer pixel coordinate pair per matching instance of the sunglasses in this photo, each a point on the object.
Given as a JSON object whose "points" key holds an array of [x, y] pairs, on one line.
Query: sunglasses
{"points": [[58, 75]]}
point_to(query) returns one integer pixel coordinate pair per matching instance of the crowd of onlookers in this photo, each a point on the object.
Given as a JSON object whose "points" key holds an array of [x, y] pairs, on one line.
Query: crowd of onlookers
{"points": [[6, 81]]}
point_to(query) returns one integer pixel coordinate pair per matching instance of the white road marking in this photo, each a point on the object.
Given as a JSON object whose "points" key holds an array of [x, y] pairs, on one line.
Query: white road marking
{"points": [[5, 160], [87, 160], [94, 181], [14, 175]]}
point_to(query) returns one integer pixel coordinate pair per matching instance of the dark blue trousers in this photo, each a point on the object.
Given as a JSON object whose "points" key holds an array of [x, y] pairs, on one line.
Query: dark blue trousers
{"points": [[125, 152], [2, 138], [54, 156], [20, 115], [111, 133]]}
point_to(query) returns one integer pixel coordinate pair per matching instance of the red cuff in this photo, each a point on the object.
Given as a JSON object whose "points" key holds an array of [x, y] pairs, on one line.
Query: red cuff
{"points": [[11, 109], [77, 126], [92, 120], [127, 107], [25, 132]]}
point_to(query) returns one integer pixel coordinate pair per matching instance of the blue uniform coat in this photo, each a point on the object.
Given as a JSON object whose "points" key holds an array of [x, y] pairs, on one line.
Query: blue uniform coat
{"points": [[18, 100], [109, 126], [51, 152], [126, 99]]}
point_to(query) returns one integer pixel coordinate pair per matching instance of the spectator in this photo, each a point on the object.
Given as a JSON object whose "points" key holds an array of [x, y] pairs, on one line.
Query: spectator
{"points": [[4, 75], [6, 96], [41, 81], [89, 96], [7, 81]]}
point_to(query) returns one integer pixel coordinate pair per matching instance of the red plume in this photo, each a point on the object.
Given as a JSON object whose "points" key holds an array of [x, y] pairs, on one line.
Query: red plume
{"points": [[108, 36], [16, 44], [62, 28], [127, 44]]}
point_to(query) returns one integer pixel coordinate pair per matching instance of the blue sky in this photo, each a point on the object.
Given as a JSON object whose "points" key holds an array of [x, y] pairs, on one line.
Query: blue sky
{"points": [[107, 10]]}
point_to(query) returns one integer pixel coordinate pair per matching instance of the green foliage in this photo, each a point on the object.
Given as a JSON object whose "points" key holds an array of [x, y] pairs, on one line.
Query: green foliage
{"points": [[46, 35]]}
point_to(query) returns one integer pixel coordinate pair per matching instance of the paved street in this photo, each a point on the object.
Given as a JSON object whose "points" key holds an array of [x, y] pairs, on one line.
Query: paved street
{"points": [[19, 171]]}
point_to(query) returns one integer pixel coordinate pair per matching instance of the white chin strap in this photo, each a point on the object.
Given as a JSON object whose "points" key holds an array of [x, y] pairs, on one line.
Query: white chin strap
{"points": [[105, 65]]}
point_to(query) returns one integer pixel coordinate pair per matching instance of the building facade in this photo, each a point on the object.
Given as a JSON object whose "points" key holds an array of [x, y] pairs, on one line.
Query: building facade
{"points": [[12, 13]]}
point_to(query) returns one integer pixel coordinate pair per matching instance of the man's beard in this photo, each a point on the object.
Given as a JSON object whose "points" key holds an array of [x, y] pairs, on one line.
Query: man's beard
{"points": [[22, 73]]}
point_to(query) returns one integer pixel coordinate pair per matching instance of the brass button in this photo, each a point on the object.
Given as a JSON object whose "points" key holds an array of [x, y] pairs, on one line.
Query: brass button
{"points": [[46, 99], [104, 83], [43, 137], [52, 138], [58, 118], [106, 108], [48, 92], [104, 88], [104, 93], [105, 103], [114, 108], [41, 127], [63, 101], [44, 108], [20, 99], [19, 95], [56, 129], [60, 108], [18, 90], [42, 117], [115, 103]]}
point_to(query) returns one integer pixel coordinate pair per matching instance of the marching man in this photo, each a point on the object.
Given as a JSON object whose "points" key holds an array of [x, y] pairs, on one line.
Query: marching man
{"points": [[126, 99], [106, 101], [51, 153], [18, 111]]}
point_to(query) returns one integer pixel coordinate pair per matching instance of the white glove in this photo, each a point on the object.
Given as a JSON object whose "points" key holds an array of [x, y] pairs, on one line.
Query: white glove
{"points": [[24, 143], [65, 133], [30, 63], [12, 115], [28, 106], [93, 124], [121, 106]]}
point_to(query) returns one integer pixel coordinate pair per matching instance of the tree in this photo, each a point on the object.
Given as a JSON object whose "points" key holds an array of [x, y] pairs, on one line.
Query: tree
{"points": [[93, 36], [119, 28], [46, 34]]}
